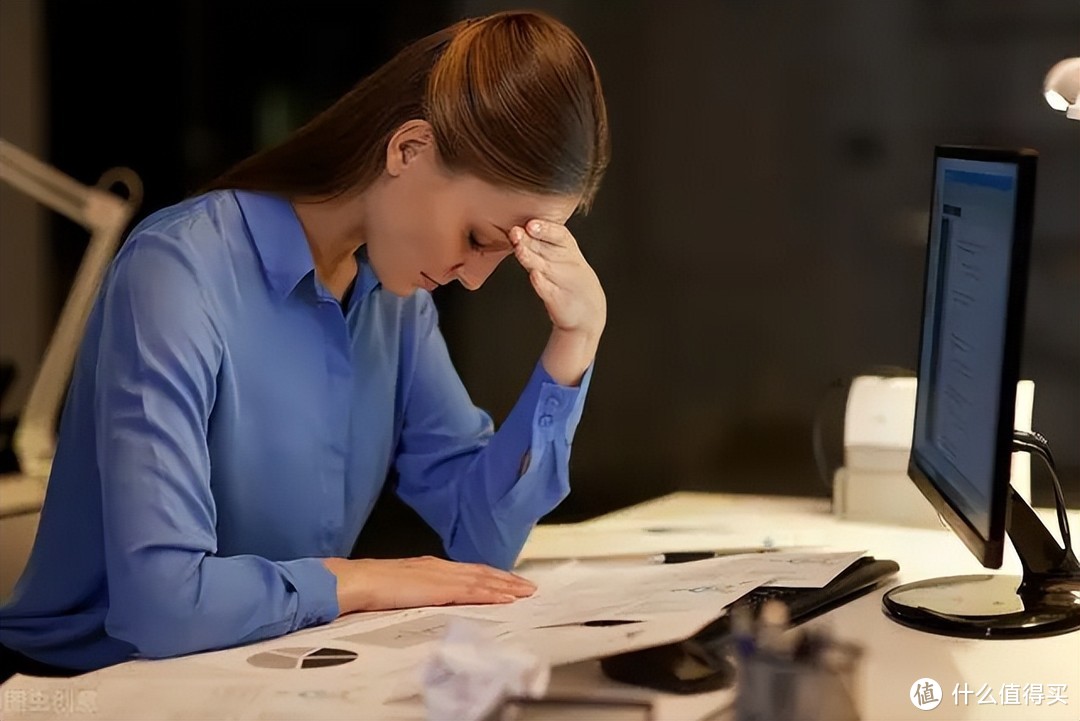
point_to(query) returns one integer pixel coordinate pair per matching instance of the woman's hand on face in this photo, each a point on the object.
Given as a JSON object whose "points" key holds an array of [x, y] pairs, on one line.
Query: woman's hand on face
{"points": [[571, 293], [370, 584], [561, 276]]}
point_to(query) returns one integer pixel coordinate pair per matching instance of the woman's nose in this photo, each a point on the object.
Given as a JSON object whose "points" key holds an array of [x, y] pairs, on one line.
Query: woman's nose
{"points": [[479, 268]]}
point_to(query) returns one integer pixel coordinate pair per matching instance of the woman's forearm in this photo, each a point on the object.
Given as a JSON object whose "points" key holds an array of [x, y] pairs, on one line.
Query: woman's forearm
{"points": [[569, 354]]}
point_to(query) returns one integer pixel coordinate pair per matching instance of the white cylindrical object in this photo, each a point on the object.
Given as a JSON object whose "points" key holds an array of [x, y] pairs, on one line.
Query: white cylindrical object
{"points": [[879, 424]]}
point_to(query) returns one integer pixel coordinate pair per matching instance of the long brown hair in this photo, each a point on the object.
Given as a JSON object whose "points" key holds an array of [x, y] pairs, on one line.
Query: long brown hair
{"points": [[513, 98]]}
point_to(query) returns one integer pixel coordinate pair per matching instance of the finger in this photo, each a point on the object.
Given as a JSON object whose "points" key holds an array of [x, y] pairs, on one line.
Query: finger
{"points": [[543, 285], [546, 249], [515, 591], [519, 238], [501, 586], [527, 256], [516, 584], [521, 578], [550, 233], [487, 590], [504, 578], [472, 573], [498, 588], [482, 596]]}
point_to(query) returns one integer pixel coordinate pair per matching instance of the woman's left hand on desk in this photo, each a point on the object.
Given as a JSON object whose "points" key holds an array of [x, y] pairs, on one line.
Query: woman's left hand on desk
{"points": [[370, 584]]}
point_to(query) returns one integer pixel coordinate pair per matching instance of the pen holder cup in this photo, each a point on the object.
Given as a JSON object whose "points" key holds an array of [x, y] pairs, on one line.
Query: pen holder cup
{"points": [[823, 688]]}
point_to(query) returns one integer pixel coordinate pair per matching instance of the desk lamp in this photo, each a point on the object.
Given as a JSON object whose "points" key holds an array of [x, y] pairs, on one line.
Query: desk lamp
{"points": [[1062, 87], [105, 214]]}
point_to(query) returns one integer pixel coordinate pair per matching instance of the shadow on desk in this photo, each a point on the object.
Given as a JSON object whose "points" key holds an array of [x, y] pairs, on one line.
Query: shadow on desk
{"points": [[13, 662]]}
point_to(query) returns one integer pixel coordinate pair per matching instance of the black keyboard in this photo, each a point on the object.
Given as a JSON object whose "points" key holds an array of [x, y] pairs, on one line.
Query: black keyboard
{"points": [[704, 662], [805, 603]]}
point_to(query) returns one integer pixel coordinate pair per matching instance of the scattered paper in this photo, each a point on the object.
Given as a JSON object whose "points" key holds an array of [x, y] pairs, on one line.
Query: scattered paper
{"points": [[469, 674], [366, 665]]}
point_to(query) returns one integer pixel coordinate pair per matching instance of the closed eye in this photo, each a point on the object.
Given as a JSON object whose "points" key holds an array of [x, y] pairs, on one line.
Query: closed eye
{"points": [[479, 247]]}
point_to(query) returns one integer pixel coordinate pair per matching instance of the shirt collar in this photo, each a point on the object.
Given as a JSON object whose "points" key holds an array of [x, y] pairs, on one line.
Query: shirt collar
{"points": [[366, 280], [283, 248], [278, 237]]}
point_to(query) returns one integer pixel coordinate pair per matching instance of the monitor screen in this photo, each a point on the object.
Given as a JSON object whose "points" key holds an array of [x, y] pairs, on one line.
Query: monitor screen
{"points": [[975, 283]]}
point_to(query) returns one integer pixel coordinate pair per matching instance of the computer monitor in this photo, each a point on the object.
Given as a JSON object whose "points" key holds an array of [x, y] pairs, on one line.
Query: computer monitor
{"points": [[975, 287]]}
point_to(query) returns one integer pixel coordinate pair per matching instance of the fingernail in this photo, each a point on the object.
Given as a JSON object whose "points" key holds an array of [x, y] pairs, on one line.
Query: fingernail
{"points": [[536, 226], [507, 598]]}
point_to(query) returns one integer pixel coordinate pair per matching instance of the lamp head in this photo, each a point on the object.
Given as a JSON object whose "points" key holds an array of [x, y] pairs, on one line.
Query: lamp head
{"points": [[1062, 87]]}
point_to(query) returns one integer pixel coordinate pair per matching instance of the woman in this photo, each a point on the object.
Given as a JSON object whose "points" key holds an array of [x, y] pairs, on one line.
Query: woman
{"points": [[264, 353]]}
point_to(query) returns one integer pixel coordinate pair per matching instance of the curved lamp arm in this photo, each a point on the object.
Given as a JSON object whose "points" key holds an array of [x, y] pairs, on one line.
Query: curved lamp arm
{"points": [[105, 215]]}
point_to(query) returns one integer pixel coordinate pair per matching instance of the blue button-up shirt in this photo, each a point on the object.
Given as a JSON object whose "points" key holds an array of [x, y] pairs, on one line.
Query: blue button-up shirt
{"points": [[229, 423]]}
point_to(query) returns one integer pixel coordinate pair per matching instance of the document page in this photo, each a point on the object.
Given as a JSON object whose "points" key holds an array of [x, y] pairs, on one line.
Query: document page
{"points": [[369, 665]]}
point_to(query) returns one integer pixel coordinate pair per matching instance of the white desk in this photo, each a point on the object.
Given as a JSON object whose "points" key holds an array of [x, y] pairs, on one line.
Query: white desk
{"points": [[895, 656]]}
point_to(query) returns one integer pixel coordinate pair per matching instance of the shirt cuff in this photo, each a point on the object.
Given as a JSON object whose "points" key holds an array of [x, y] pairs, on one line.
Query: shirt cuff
{"points": [[558, 408], [543, 480], [316, 589]]}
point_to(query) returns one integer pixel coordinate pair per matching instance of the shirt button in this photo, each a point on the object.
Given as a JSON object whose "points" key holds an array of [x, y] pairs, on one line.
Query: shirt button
{"points": [[545, 420], [552, 403]]}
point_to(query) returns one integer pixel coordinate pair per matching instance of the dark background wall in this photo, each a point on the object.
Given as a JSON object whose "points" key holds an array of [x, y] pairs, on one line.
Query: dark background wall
{"points": [[760, 233]]}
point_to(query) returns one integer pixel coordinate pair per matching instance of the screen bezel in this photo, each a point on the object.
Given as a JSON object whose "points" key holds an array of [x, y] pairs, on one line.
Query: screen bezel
{"points": [[989, 550]]}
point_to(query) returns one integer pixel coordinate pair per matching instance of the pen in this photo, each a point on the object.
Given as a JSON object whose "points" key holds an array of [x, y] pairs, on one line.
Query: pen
{"points": [[686, 556], [658, 558]]}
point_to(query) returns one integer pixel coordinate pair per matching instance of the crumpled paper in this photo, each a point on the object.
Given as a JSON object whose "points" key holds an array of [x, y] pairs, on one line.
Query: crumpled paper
{"points": [[469, 674]]}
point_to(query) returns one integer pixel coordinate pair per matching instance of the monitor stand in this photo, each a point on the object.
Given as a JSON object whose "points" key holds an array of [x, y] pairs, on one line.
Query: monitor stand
{"points": [[1044, 602]]}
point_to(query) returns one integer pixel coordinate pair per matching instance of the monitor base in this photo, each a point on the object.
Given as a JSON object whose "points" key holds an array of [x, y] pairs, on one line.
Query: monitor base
{"points": [[987, 606]]}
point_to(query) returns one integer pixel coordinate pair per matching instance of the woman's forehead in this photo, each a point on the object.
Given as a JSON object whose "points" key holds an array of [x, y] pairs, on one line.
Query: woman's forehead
{"points": [[507, 207]]}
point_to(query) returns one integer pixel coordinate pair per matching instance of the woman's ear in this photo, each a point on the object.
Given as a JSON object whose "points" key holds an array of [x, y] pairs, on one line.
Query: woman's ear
{"points": [[409, 142]]}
